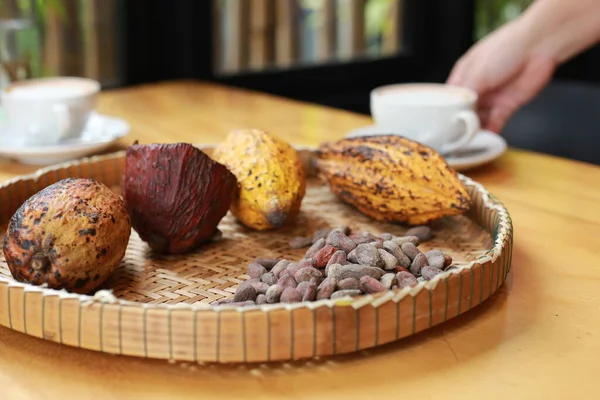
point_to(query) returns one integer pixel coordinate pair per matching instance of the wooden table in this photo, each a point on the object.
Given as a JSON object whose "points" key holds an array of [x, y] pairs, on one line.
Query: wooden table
{"points": [[538, 337]]}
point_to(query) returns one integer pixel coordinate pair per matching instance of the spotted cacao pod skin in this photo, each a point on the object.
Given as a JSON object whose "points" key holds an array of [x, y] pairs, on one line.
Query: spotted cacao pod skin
{"points": [[71, 235]]}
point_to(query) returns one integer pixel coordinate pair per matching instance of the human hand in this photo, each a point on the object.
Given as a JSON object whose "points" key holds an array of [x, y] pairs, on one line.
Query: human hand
{"points": [[505, 71]]}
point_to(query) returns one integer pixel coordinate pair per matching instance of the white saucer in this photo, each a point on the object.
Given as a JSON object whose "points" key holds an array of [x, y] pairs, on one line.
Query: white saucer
{"points": [[485, 147], [100, 133]]}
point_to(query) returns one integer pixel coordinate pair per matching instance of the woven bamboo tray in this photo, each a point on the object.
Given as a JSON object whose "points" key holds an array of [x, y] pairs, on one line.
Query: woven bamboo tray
{"points": [[160, 306]]}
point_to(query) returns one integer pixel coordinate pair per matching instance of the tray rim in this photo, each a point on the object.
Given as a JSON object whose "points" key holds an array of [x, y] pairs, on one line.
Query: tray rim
{"points": [[105, 296]]}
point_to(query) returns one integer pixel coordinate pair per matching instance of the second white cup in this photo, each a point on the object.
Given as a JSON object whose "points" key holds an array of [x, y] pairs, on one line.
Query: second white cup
{"points": [[47, 111], [438, 115]]}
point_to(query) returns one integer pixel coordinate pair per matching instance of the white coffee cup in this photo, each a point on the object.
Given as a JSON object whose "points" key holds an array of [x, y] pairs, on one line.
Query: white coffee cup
{"points": [[438, 115], [47, 111]]}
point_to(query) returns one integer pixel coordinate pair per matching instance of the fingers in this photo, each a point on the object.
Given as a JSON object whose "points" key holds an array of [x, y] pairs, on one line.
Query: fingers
{"points": [[507, 100]]}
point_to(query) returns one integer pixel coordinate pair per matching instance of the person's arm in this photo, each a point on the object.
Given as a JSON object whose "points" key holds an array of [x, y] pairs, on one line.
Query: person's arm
{"points": [[561, 29], [512, 65]]}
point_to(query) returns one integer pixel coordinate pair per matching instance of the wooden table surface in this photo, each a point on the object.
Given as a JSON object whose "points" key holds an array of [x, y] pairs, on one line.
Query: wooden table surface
{"points": [[538, 337]]}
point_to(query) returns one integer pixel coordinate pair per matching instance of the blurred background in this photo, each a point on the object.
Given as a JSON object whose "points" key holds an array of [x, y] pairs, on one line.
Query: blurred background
{"points": [[331, 52]]}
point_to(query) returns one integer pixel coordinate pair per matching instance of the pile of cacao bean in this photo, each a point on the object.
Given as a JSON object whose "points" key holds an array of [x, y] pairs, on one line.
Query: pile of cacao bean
{"points": [[341, 263]]}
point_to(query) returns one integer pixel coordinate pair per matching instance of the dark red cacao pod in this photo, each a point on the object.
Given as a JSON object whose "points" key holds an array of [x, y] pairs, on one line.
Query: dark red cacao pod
{"points": [[175, 194]]}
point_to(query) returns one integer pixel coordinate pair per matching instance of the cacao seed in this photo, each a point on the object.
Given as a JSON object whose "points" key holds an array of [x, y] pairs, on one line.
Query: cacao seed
{"points": [[279, 267], [344, 293], [348, 283], [320, 234], [260, 287], [371, 285], [300, 242], [256, 270], [395, 287], [423, 232], [406, 239], [389, 261], [428, 272], [410, 250], [405, 279], [395, 250], [388, 280], [302, 286], [268, 263], [339, 257], [386, 236], [306, 273], [310, 293], [419, 262], [318, 245], [274, 293], [435, 258], [290, 295], [400, 268], [287, 280], [244, 293], [325, 289], [261, 299], [366, 254], [357, 271], [447, 260], [293, 267], [322, 257], [340, 241], [269, 278]]}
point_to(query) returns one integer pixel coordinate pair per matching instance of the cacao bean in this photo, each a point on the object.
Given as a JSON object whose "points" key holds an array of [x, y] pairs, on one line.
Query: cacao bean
{"points": [[322, 257], [261, 299], [293, 267], [274, 293], [287, 280], [268, 263], [428, 272], [395, 250], [279, 267], [244, 293], [333, 272], [447, 260], [357, 271], [302, 286], [358, 238], [435, 258], [371, 285], [395, 287], [410, 250], [269, 278], [325, 289], [405, 279], [348, 283], [318, 245], [260, 287], [389, 261], [306, 273], [344, 229], [388, 280], [290, 295], [320, 234], [366, 254], [339, 240], [423, 232], [344, 293], [419, 262], [300, 242], [386, 236], [400, 268], [256, 270], [339, 257], [310, 293], [406, 239]]}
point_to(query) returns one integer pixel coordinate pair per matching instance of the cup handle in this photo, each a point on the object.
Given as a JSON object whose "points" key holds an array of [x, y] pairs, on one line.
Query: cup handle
{"points": [[63, 118], [472, 126]]}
